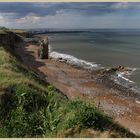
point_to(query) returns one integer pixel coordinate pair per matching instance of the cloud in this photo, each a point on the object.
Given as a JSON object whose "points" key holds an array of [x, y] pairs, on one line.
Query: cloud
{"points": [[70, 15], [44, 9], [125, 5], [60, 19], [120, 5], [31, 18]]}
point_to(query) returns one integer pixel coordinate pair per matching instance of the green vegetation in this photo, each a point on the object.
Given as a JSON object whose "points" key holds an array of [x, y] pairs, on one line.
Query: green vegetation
{"points": [[31, 108], [20, 32], [3, 31]]}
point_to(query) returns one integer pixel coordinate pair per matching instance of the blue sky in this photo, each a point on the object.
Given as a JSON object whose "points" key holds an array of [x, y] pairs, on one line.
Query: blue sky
{"points": [[70, 15]]}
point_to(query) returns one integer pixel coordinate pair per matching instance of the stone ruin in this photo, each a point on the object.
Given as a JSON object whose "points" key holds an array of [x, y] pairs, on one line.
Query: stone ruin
{"points": [[43, 51]]}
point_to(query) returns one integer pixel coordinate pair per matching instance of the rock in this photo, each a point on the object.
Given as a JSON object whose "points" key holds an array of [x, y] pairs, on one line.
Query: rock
{"points": [[60, 58], [34, 41], [43, 49], [112, 70], [9, 39], [117, 69]]}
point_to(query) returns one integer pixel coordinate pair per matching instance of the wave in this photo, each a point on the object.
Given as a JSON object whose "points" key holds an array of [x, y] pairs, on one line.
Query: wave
{"points": [[126, 79], [73, 60], [121, 78], [127, 73]]}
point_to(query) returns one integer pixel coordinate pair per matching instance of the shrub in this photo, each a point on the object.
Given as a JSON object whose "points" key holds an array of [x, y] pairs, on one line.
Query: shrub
{"points": [[23, 114], [87, 115]]}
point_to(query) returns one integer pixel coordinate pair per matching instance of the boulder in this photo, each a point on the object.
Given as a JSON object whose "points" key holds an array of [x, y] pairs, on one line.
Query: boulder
{"points": [[119, 69], [112, 70]]}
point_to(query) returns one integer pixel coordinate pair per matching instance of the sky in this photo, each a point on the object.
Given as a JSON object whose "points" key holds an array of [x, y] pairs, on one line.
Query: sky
{"points": [[70, 15]]}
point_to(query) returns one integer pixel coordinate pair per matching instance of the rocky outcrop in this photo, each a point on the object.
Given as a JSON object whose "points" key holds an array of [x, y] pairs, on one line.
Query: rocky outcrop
{"points": [[113, 70], [43, 51], [119, 69], [9, 39], [34, 40]]}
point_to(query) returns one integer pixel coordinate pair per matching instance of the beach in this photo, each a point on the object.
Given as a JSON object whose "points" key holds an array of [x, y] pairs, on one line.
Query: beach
{"points": [[97, 48], [120, 103]]}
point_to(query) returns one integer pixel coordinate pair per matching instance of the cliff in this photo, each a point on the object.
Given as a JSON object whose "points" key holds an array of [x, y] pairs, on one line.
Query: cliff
{"points": [[10, 37]]}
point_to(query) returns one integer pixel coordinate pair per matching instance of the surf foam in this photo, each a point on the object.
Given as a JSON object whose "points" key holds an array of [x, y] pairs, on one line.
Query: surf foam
{"points": [[73, 60], [121, 78]]}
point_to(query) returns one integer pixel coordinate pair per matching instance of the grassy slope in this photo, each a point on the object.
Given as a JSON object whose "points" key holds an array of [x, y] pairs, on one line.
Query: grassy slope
{"points": [[16, 31], [20, 32], [30, 108]]}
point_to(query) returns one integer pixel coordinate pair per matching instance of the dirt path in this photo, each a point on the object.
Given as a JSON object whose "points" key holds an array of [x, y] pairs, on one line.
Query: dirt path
{"points": [[75, 83]]}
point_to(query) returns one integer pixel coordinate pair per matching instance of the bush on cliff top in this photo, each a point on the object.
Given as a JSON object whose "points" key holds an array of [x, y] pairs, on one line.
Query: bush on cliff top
{"points": [[23, 112]]}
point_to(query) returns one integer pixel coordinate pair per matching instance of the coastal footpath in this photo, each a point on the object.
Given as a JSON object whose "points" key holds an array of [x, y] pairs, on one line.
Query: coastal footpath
{"points": [[32, 107]]}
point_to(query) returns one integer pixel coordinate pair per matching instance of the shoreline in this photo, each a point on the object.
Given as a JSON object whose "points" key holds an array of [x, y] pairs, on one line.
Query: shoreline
{"points": [[118, 74], [104, 76], [94, 87]]}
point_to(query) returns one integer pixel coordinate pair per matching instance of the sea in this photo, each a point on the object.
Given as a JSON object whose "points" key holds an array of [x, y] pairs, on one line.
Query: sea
{"points": [[95, 48]]}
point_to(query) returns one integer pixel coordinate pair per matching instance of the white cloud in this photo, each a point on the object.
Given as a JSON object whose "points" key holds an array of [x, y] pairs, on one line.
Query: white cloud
{"points": [[60, 20], [64, 19], [28, 19], [1, 17], [121, 5], [60, 11]]}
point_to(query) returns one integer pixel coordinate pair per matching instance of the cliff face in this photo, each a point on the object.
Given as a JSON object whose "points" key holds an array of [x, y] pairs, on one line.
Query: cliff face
{"points": [[9, 39]]}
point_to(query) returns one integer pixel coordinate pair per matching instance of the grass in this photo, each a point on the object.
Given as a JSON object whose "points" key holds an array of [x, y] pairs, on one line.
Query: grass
{"points": [[16, 31], [2, 31], [20, 32], [13, 72], [31, 108]]}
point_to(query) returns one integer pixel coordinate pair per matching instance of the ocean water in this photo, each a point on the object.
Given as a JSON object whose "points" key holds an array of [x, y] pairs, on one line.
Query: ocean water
{"points": [[100, 47]]}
